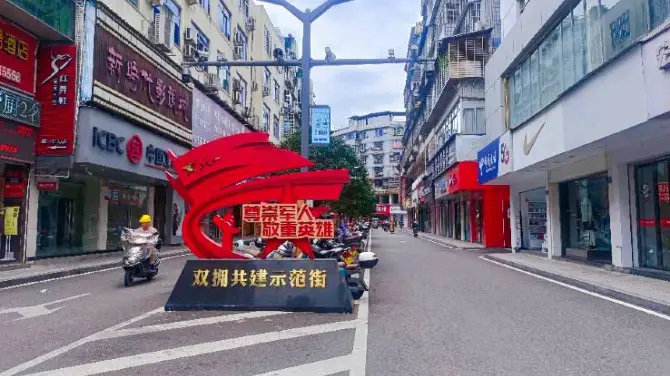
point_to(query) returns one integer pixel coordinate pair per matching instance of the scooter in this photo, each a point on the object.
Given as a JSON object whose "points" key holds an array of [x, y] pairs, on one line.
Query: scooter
{"points": [[136, 245], [416, 232]]}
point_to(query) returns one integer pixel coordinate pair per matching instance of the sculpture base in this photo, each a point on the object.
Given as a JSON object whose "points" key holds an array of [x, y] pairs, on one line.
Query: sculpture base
{"points": [[261, 285]]}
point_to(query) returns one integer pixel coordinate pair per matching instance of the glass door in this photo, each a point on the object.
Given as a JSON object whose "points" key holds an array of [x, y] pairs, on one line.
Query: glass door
{"points": [[653, 205]]}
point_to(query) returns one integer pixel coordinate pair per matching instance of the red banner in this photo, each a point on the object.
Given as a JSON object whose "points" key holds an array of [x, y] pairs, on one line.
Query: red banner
{"points": [[17, 57], [56, 80], [383, 209]]}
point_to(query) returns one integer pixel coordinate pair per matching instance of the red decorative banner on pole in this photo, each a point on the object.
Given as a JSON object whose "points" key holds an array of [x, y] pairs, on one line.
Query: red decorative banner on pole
{"points": [[17, 57], [56, 80]]}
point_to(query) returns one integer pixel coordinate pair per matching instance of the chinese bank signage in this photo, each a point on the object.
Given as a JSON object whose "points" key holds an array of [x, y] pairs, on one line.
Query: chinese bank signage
{"points": [[211, 121], [112, 142], [320, 125], [121, 68], [494, 159], [18, 51]]}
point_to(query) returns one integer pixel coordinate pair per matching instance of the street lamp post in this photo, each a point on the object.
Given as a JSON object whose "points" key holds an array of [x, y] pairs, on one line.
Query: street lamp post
{"points": [[307, 17]]}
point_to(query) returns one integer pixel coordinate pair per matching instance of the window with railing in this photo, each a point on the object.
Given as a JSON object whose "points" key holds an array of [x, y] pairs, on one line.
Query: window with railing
{"points": [[58, 14], [378, 158], [591, 34]]}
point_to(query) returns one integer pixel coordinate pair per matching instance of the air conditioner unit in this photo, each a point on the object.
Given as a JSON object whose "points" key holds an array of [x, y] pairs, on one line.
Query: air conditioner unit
{"points": [[254, 86], [189, 52], [250, 24], [287, 98], [159, 32], [192, 2], [221, 57], [189, 35], [266, 91], [212, 81], [237, 85], [155, 3]]}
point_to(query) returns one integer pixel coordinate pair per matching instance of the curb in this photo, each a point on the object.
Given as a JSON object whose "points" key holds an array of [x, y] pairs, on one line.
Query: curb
{"points": [[70, 272], [612, 293], [443, 243]]}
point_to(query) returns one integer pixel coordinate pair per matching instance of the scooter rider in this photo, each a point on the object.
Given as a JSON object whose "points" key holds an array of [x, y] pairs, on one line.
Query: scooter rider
{"points": [[415, 226], [145, 225]]}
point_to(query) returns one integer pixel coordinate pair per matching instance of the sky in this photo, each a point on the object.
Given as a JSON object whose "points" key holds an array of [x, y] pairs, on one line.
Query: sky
{"points": [[354, 30]]}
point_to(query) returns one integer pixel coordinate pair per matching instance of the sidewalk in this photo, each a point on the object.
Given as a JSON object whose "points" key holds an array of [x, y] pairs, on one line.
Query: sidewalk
{"points": [[41, 270], [653, 294], [451, 243]]}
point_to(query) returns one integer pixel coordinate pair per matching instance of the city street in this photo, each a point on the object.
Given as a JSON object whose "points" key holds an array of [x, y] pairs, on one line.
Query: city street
{"points": [[432, 311]]}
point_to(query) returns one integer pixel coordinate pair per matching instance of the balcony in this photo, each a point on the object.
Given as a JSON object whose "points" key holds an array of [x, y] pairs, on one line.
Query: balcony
{"points": [[51, 20]]}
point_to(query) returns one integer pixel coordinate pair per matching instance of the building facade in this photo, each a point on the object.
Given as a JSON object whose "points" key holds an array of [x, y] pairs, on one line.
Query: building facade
{"points": [[444, 100], [588, 171], [37, 111], [376, 137]]}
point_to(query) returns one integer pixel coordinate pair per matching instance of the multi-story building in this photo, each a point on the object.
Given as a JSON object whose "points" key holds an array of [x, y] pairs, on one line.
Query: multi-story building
{"points": [[444, 100], [94, 159], [577, 93], [376, 137]]}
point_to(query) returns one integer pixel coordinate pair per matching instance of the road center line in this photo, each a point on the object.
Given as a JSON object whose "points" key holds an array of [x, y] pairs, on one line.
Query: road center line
{"points": [[160, 356], [188, 324], [587, 292]]}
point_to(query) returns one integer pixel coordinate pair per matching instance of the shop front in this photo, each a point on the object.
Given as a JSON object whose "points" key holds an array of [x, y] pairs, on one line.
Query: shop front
{"points": [[118, 175], [472, 212]]}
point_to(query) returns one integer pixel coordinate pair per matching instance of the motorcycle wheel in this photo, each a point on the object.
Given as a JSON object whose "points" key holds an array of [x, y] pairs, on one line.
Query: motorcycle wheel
{"points": [[128, 278], [357, 294]]}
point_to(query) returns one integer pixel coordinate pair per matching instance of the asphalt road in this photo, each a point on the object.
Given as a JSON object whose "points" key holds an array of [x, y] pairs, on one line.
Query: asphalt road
{"points": [[432, 311]]}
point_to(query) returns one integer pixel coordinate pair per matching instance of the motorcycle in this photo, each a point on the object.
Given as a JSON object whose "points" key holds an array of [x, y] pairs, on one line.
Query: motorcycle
{"points": [[416, 232], [136, 246], [249, 248]]}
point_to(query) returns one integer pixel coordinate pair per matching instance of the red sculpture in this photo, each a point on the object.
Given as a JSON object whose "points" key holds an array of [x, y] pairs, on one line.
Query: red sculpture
{"points": [[232, 171]]}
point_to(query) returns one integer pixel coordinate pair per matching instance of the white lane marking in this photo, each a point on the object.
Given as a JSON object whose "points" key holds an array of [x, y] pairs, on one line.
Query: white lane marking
{"points": [[189, 323], [320, 368], [160, 356], [587, 292], [359, 355], [39, 309], [82, 274], [62, 350]]}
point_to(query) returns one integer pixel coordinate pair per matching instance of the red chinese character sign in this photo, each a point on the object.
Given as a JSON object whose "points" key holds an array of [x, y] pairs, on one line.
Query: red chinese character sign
{"points": [[233, 171]]}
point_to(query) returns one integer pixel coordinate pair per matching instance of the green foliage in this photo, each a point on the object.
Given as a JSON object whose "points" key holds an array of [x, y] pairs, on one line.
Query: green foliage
{"points": [[358, 198]]}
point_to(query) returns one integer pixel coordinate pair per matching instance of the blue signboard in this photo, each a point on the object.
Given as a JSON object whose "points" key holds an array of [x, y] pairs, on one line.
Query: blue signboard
{"points": [[487, 158], [320, 125]]}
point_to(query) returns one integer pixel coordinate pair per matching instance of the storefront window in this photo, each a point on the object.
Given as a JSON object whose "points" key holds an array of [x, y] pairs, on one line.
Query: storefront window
{"points": [[653, 203], [60, 221], [585, 216], [126, 204]]}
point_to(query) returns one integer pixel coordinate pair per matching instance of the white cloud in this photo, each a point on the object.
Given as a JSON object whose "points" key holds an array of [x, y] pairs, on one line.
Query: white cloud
{"points": [[357, 29]]}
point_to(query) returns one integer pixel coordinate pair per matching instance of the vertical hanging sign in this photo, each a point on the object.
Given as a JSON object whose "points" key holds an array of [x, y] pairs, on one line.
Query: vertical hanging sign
{"points": [[320, 124]]}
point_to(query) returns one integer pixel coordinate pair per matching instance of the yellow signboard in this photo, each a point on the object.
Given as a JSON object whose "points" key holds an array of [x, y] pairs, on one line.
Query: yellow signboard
{"points": [[11, 221]]}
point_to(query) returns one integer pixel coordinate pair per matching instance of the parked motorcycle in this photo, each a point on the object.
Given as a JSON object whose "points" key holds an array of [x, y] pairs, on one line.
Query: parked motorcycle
{"points": [[136, 245]]}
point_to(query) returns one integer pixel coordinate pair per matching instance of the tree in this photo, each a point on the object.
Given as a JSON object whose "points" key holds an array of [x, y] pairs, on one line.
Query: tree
{"points": [[357, 198]]}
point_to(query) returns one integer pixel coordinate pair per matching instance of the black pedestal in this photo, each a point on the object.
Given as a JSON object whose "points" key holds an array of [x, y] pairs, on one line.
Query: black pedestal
{"points": [[261, 285]]}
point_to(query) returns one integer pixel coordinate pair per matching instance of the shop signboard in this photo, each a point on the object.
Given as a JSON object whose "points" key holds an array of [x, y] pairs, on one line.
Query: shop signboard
{"points": [[11, 225], [19, 108], [115, 143], [56, 92], [440, 185], [122, 69], [15, 182], [211, 121], [494, 160], [383, 209], [320, 124], [17, 142], [17, 57]]}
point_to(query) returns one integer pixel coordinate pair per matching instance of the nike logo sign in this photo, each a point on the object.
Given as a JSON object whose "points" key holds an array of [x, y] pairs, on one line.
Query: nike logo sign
{"points": [[529, 145]]}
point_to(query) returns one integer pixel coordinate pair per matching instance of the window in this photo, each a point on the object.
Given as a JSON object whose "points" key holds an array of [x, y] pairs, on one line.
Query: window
{"points": [[379, 158], [243, 91], [243, 42], [277, 90], [224, 74], [379, 132], [244, 7], [275, 126], [266, 118], [592, 33], [266, 79], [224, 19], [201, 40], [173, 16], [205, 5], [268, 42], [379, 145]]}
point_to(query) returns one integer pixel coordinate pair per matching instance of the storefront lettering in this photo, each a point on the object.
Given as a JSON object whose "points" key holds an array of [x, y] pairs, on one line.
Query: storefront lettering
{"points": [[108, 141], [19, 108], [17, 54], [157, 157]]}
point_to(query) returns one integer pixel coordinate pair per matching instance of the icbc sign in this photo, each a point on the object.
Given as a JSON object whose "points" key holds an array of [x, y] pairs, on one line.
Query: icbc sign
{"points": [[17, 57], [133, 147]]}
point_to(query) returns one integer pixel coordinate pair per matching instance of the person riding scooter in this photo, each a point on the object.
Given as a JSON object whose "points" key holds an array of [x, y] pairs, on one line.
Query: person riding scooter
{"points": [[415, 228], [145, 225]]}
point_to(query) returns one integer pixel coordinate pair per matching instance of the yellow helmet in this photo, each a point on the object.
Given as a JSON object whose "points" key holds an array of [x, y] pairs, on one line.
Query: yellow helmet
{"points": [[145, 219]]}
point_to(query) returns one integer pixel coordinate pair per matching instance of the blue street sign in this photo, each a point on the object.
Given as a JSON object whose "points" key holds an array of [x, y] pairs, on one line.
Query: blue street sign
{"points": [[320, 124], [487, 159]]}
